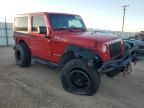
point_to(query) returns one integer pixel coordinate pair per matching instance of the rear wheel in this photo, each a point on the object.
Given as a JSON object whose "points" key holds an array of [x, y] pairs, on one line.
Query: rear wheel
{"points": [[22, 55], [77, 78]]}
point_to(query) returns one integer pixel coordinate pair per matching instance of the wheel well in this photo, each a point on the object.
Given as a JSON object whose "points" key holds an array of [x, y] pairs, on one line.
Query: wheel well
{"points": [[22, 41], [73, 52], [68, 56]]}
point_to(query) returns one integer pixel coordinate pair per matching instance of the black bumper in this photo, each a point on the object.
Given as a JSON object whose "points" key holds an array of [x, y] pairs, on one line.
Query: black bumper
{"points": [[120, 64]]}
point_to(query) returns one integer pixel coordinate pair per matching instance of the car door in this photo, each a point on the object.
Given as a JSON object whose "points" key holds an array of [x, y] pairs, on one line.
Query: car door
{"points": [[40, 45]]}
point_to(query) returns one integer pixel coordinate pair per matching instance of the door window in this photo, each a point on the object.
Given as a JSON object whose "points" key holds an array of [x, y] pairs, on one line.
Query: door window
{"points": [[21, 24], [38, 21]]}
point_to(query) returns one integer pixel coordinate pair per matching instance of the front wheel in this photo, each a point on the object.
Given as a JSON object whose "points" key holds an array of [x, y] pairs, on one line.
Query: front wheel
{"points": [[77, 78]]}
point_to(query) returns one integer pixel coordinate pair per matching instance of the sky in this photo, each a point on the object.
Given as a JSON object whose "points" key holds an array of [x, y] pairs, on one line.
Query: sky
{"points": [[98, 14]]}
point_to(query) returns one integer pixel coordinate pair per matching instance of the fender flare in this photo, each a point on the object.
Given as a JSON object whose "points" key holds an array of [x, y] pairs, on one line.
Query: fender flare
{"points": [[83, 53]]}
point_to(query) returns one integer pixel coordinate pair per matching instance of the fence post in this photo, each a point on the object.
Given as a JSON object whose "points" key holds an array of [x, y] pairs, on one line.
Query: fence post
{"points": [[6, 31]]}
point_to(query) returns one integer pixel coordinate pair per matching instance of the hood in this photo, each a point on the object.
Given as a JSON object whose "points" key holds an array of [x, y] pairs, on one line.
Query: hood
{"points": [[87, 38]]}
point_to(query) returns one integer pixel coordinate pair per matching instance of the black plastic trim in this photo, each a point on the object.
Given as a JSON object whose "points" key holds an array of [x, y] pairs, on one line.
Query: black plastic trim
{"points": [[119, 64]]}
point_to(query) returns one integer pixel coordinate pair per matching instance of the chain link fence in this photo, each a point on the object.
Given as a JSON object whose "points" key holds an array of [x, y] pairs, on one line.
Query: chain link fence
{"points": [[6, 32]]}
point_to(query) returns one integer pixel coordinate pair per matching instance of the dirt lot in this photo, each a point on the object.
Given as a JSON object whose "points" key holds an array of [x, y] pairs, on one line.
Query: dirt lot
{"points": [[39, 87]]}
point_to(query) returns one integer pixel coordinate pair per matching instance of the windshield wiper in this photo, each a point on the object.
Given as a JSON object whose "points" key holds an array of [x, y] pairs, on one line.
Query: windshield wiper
{"points": [[70, 29], [83, 29], [61, 29]]}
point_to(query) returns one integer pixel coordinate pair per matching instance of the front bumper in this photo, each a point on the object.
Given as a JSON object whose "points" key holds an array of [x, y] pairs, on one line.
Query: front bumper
{"points": [[119, 65]]}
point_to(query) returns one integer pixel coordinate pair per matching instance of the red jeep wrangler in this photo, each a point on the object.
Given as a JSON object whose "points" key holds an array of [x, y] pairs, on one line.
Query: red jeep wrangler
{"points": [[59, 39]]}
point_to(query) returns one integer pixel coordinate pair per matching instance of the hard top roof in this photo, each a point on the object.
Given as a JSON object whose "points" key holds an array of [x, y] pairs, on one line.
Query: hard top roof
{"points": [[34, 13]]}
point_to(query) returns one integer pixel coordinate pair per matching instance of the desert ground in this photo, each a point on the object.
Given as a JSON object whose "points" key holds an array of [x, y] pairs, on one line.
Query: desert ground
{"points": [[39, 86]]}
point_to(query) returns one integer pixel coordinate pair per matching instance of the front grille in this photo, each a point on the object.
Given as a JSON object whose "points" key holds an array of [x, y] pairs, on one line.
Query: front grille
{"points": [[115, 49]]}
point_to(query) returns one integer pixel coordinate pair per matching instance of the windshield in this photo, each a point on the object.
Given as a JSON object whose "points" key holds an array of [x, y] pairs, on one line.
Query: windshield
{"points": [[62, 22]]}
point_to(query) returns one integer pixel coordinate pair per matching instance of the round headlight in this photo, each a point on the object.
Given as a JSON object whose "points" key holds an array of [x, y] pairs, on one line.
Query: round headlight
{"points": [[104, 48]]}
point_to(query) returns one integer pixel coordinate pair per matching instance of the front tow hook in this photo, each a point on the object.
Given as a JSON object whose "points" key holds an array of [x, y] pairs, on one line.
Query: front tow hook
{"points": [[127, 70]]}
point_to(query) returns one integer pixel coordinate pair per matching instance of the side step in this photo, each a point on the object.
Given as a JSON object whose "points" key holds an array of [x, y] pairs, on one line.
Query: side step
{"points": [[41, 61]]}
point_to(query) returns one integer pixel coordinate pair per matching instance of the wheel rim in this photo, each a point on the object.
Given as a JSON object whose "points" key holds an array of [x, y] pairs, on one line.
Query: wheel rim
{"points": [[18, 55], [79, 79]]}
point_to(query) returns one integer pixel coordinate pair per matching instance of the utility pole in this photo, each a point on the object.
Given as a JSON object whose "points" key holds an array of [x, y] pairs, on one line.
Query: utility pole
{"points": [[123, 22]]}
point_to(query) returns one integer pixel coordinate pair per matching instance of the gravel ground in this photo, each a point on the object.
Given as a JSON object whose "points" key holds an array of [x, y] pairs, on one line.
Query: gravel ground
{"points": [[39, 86]]}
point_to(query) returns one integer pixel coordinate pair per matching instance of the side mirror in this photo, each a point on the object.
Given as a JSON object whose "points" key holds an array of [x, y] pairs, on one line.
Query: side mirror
{"points": [[42, 30]]}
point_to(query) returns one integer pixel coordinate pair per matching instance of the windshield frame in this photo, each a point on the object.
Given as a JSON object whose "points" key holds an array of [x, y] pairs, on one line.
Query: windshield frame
{"points": [[53, 28]]}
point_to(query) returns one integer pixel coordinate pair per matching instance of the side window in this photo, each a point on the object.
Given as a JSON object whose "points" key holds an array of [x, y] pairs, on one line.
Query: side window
{"points": [[21, 24], [38, 21]]}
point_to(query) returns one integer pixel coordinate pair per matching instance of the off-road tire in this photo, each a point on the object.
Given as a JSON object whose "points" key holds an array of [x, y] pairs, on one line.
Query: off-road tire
{"points": [[22, 55], [77, 65]]}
